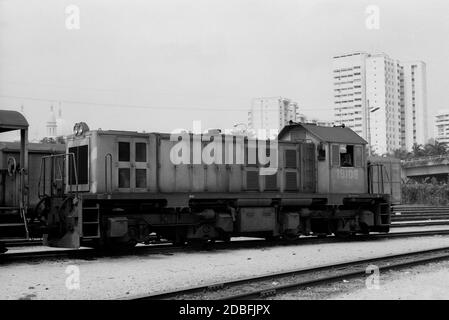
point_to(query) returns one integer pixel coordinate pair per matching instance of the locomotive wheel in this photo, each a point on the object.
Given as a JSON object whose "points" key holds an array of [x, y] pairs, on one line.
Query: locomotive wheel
{"points": [[364, 228], [40, 212]]}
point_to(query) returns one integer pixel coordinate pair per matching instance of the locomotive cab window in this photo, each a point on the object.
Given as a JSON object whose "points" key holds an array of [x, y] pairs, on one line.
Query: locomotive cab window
{"points": [[124, 151], [81, 156], [124, 178], [132, 165], [141, 178], [141, 152], [346, 155]]}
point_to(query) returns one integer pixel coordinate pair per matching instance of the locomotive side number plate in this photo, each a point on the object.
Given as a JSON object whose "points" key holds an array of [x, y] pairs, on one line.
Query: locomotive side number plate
{"points": [[348, 174]]}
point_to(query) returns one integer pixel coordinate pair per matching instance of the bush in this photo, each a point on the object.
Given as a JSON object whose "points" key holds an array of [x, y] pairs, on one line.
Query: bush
{"points": [[425, 193]]}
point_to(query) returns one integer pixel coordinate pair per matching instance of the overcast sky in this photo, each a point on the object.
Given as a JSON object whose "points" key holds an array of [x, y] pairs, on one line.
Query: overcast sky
{"points": [[158, 65]]}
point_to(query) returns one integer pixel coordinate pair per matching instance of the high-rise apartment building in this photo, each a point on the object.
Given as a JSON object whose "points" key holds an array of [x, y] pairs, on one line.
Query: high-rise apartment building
{"points": [[415, 103], [383, 101], [376, 97], [442, 126], [350, 92], [322, 123], [272, 113]]}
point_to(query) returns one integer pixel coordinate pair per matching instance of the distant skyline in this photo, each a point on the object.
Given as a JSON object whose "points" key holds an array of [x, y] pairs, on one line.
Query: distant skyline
{"points": [[161, 64]]}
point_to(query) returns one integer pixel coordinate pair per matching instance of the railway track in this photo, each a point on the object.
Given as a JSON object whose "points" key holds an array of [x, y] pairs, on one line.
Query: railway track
{"points": [[265, 286], [419, 216], [167, 248]]}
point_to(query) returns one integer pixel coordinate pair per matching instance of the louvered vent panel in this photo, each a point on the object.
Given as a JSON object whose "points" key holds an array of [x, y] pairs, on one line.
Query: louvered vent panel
{"points": [[252, 180], [290, 159], [336, 155], [291, 181], [271, 182]]}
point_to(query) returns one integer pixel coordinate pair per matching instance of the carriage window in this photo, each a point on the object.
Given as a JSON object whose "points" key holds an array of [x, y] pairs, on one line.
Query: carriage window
{"points": [[346, 155], [124, 151], [124, 177], [141, 152]]}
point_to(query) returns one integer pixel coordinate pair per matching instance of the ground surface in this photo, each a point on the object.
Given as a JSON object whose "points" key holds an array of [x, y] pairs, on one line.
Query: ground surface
{"points": [[110, 278], [427, 282]]}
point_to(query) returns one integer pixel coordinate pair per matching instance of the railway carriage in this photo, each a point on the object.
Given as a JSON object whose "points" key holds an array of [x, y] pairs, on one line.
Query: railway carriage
{"points": [[118, 187]]}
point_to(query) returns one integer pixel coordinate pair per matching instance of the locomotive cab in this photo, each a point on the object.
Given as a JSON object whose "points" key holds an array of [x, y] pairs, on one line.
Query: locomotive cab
{"points": [[341, 156], [343, 174]]}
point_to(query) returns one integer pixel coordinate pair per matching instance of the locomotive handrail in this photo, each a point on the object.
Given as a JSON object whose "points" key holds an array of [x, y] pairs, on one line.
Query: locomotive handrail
{"points": [[23, 205], [380, 178], [42, 180], [106, 157]]}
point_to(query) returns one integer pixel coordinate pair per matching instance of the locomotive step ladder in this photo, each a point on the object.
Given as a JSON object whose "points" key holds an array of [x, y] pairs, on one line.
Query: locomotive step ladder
{"points": [[91, 222], [13, 224], [385, 214]]}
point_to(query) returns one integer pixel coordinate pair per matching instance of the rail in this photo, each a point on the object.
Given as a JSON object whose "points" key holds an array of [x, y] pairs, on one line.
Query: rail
{"points": [[170, 248]]}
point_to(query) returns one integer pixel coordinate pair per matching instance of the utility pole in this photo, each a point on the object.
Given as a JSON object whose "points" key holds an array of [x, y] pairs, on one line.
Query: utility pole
{"points": [[368, 127], [370, 110]]}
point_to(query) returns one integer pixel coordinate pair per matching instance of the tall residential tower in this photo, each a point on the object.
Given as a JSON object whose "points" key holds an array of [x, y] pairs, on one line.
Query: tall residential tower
{"points": [[442, 126], [272, 113], [381, 99]]}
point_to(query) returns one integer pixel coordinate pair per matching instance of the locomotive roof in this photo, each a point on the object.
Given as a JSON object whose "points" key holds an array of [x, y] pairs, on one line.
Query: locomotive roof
{"points": [[33, 147], [12, 120], [326, 134]]}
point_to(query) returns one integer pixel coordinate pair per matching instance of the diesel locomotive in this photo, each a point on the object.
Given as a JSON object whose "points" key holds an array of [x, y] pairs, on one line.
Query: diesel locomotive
{"points": [[119, 188]]}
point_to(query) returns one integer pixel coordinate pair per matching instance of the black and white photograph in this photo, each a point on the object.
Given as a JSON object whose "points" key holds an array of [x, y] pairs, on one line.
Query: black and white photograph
{"points": [[228, 156]]}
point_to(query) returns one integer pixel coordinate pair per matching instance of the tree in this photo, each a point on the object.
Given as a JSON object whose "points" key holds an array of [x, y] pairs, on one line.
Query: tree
{"points": [[401, 154], [58, 140], [47, 140], [435, 148], [418, 150]]}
